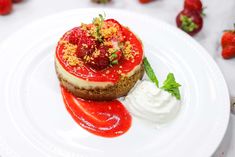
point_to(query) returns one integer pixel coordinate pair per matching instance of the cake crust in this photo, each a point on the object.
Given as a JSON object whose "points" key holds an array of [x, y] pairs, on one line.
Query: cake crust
{"points": [[119, 89]]}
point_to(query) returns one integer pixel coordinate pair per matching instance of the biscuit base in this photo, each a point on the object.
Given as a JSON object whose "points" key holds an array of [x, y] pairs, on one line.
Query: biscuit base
{"points": [[119, 89]]}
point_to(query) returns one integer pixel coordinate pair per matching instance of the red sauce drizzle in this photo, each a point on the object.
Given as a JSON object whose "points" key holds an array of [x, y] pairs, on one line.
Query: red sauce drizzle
{"points": [[107, 119]]}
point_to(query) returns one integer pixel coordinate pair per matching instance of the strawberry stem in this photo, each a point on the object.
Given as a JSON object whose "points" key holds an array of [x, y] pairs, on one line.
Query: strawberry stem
{"points": [[187, 24], [101, 1]]}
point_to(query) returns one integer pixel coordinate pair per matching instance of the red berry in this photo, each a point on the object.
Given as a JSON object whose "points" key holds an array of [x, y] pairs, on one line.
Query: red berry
{"points": [[228, 38], [5, 7], [101, 60], [74, 35], [101, 1], [189, 21], [228, 44], [195, 5], [85, 43], [17, 1], [145, 1], [228, 52]]}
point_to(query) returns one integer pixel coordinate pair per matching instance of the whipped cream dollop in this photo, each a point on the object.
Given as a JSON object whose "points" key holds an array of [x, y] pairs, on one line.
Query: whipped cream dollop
{"points": [[153, 104]]}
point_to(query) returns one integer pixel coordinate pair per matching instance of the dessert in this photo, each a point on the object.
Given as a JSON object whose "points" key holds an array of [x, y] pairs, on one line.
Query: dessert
{"points": [[99, 61]]}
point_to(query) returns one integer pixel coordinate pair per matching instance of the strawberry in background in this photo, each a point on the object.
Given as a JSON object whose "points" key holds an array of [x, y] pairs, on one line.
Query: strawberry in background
{"points": [[17, 1], [5, 7], [145, 1], [190, 18], [101, 1], [195, 5], [228, 44]]}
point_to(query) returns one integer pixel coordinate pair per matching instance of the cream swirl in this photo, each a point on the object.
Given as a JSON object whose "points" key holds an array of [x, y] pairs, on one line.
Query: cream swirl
{"points": [[153, 104]]}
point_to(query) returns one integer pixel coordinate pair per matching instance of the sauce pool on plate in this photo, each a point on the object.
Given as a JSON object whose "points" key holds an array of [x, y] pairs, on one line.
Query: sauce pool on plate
{"points": [[102, 118]]}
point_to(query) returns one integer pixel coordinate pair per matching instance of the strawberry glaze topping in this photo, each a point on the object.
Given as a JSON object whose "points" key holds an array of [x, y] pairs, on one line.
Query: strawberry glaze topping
{"points": [[101, 51]]}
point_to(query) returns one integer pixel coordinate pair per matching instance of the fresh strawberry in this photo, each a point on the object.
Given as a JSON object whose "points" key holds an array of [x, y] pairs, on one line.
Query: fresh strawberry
{"points": [[101, 1], [145, 1], [228, 52], [189, 21], [5, 7], [195, 5], [86, 44], [17, 1], [100, 61], [228, 38], [74, 35], [228, 44]]}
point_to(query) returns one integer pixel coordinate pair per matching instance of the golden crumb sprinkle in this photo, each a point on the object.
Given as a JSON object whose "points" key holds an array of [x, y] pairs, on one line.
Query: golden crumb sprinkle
{"points": [[84, 26], [93, 32], [119, 72], [97, 21], [87, 58], [108, 32], [102, 30], [111, 50], [62, 42], [96, 53], [127, 51], [108, 43], [69, 53], [84, 45], [107, 72]]}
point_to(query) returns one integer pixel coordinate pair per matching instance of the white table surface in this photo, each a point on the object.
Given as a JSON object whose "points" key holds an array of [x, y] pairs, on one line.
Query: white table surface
{"points": [[220, 16]]}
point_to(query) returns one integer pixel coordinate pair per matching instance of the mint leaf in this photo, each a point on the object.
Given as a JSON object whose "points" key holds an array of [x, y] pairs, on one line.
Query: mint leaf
{"points": [[149, 71], [171, 86]]}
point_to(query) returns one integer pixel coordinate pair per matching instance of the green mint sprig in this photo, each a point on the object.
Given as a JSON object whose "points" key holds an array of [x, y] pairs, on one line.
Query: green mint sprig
{"points": [[170, 85], [150, 72]]}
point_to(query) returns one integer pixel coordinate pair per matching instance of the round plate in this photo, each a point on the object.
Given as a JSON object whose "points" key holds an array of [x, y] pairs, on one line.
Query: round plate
{"points": [[33, 118]]}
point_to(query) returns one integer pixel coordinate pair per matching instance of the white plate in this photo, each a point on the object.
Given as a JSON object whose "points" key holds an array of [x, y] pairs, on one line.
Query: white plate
{"points": [[33, 118]]}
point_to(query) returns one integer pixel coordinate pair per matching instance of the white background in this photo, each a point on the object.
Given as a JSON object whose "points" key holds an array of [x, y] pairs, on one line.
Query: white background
{"points": [[220, 15]]}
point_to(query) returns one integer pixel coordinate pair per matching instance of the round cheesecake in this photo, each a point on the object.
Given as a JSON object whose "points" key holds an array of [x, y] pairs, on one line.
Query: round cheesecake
{"points": [[99, 61]]}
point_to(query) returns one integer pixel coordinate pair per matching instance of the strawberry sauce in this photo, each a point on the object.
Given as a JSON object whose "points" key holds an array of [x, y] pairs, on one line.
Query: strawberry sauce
{"points": [[106, 119]]}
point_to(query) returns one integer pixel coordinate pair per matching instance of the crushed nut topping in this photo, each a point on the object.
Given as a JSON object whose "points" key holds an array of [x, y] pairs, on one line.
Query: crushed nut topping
{"points": [[69, 53]]}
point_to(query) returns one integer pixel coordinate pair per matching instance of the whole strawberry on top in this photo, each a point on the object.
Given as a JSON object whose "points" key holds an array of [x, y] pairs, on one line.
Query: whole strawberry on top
{"points": [[228, 44], [190, 18], [5, 7]]}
